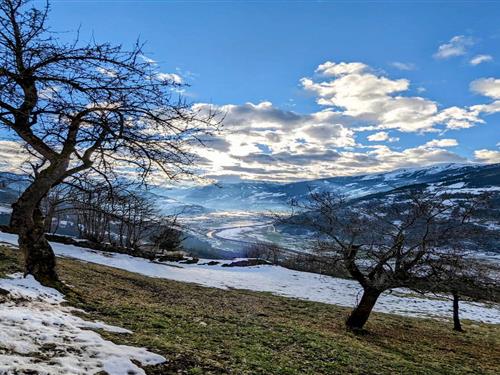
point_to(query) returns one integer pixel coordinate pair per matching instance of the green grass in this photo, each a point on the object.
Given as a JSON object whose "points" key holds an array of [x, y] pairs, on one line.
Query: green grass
{"points": [[209, 331]]}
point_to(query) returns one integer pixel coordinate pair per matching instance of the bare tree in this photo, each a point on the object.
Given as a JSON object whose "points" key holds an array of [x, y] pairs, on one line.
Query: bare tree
{"points": [[83, 106], [458, 273], [92, 203], [387, 245], [167, 236], [136, 217], [114, 213], [266, 251], [52, 205]]}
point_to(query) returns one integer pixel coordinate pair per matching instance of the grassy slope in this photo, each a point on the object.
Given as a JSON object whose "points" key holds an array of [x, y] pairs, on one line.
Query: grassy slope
{"points": [[210, 331]]}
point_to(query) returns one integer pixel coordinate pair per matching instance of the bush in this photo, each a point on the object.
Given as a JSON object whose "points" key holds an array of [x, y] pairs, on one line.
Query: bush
{"points": [[266, 251]]}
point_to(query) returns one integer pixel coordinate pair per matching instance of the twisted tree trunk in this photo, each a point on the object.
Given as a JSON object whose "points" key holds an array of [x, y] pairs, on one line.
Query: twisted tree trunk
{"points": [[361, 313], [39, 258], [28, 222]]}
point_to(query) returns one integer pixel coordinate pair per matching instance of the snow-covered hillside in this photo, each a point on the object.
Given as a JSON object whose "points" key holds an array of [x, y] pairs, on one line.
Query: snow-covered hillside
{"points": [[206, 210], [280, 281], [261, 195]]}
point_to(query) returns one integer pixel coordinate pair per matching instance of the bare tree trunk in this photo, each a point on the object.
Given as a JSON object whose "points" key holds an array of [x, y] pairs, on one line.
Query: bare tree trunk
{"points": [[457, 326], [28, 221], [361, 313], [56, 227], [39, 259]]}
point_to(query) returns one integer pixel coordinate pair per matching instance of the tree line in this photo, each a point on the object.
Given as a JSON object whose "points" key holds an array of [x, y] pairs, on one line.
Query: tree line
{"points": [[112, 214]]}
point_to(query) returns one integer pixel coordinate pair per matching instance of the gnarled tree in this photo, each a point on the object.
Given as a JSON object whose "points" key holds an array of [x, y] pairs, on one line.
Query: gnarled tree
{"points": [[83, 106], [389, 243]]}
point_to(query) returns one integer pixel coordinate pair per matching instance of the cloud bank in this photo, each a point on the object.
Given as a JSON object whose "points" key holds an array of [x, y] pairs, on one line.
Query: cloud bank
{"points": [[361, 115], [263, 141]]}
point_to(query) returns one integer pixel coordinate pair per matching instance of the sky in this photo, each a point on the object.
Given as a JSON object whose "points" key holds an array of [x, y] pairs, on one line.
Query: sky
{"points": [[316, 89]]}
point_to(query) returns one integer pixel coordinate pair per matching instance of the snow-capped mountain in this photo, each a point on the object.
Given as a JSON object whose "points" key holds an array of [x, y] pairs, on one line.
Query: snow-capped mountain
{"points": [[260, 195]]}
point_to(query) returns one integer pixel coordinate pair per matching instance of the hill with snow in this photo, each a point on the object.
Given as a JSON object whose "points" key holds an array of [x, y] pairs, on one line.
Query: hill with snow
{"points": [[261, 195]]}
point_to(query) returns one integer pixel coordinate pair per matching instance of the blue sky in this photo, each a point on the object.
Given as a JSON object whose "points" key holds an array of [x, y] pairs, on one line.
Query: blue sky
{"points": [[239, 52]]}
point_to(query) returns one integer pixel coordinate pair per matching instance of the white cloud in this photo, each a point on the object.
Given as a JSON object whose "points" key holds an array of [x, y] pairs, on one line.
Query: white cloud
{"points": [[107, 72], [459, 118], [171, 77], [403, 66], [382, 136], [479, 59], [413, 157], [12, 156], [281, 130], [487, 156], [148, 60], [377, 102], [377, 137], [261, 141], [443, 143], [282, 167], [487, 87], [457, 46], [338, 69], [363, 94], [265, 142], [490, 108]]}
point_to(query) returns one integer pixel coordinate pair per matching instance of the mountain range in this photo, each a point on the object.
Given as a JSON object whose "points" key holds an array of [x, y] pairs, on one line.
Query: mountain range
{"points": [[261, 195]]}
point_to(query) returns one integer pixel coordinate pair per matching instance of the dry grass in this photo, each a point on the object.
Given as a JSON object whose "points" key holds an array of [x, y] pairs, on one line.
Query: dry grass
{"points": [[210, 331]]}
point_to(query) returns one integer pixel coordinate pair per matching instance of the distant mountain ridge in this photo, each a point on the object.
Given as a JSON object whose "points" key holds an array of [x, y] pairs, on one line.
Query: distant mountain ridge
{"points": [[260, 195], [199, 203], [263, 195]]}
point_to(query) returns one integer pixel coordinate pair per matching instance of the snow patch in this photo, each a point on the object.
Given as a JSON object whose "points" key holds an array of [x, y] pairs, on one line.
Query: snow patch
{"points": [[281, 281], [34, 326]]}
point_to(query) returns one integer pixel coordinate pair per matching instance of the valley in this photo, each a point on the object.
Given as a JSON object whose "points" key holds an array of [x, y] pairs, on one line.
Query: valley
{"points": [[227, 218], [223, 220]]}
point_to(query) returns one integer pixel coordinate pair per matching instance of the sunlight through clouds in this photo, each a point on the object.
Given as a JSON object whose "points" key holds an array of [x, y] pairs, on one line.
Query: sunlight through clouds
{"points": [[262, 141]]}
